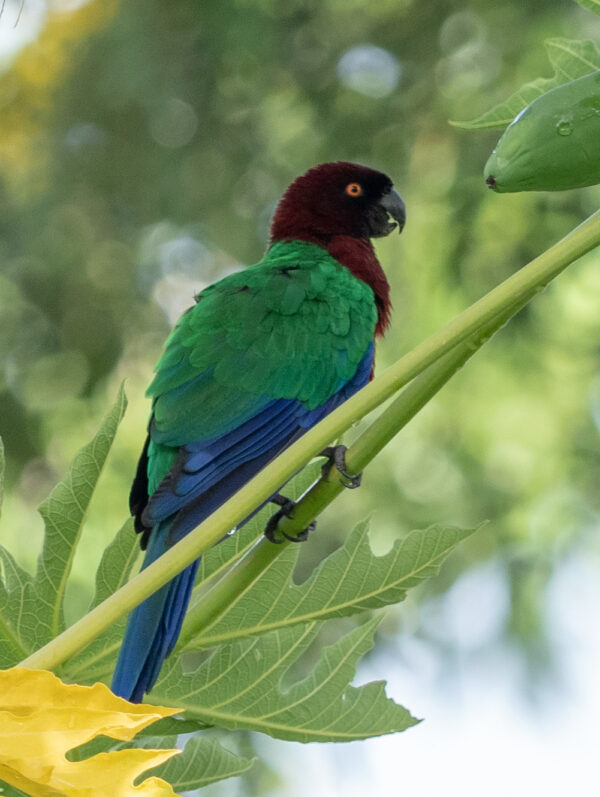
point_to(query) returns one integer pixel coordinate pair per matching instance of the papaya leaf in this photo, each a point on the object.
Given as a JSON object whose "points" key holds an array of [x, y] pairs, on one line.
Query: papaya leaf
{"points": [[63, 513], [117, 560], [202, 762], [570, 58], [42, 719], [239, 686], [18, 609], [350, 580], [95, 661]]}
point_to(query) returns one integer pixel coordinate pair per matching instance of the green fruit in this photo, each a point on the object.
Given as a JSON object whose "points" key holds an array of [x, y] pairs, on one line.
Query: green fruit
{"points": [[553, 144]]}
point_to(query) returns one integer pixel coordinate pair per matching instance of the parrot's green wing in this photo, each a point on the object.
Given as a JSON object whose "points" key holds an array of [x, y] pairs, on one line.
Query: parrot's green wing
{"points": [[293, 326]]}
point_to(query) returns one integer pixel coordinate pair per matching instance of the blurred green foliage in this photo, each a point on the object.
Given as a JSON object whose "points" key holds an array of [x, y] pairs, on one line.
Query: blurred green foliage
{"points": [[142, 148]]}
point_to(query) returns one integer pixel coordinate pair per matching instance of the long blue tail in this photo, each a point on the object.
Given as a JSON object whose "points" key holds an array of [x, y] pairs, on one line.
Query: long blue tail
{"points": [[153, 627]]}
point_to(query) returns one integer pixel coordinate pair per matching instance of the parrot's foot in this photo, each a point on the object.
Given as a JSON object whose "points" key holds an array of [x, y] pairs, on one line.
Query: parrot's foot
{"points": [[287, 507], [337, 456]]}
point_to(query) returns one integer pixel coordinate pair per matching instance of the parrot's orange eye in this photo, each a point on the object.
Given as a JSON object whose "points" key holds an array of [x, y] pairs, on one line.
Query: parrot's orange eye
{"points": [[354, 189]]}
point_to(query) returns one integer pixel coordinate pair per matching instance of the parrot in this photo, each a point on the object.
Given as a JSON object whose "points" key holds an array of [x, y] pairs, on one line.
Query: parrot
{"points": [[262, 356]]}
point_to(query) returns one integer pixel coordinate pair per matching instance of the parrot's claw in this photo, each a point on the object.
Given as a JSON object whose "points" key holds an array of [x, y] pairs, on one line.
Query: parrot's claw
{"points": [[337, 456], [287, 507]]}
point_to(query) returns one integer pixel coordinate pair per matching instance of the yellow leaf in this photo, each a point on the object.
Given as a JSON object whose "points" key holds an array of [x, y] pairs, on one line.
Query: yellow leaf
{"points": [[41, 719]]}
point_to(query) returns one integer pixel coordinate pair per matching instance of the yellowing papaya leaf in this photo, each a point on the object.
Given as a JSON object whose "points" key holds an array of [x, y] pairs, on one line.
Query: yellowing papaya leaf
{"points": [[41, 719]]}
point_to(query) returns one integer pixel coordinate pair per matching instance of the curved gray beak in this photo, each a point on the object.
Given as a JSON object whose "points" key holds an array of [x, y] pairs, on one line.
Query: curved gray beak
{"points": [[378, 215], [393, 203]]}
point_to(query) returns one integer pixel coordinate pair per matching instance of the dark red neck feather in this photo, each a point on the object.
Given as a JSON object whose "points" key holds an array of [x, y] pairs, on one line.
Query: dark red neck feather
{"points": [[358, 255]]}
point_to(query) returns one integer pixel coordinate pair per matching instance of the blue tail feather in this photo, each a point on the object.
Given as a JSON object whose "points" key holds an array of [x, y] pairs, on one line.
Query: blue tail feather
{"points": [[153, 627]]}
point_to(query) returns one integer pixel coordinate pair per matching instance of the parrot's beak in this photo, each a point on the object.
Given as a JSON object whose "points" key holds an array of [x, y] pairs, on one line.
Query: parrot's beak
{"points": [[378, 217], [393, 203]]}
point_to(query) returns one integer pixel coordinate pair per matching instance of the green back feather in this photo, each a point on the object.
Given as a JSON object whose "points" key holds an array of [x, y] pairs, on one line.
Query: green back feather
{"points": [[295, 325]]}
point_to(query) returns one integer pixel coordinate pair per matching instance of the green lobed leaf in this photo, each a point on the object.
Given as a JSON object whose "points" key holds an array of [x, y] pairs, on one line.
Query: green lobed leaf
{"points": [[239, 686], [63, 513], [95, 661], [350, 580], [117, 560], [18, 610], [99, 744], [203, 761], [570, 58]]}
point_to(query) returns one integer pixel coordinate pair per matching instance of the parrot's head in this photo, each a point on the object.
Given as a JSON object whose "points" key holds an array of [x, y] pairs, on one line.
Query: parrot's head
{"points": [[339, 198]]}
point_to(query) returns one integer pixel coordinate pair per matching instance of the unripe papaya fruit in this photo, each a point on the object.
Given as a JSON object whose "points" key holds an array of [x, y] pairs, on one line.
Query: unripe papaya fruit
{"points": [[553, 144]]}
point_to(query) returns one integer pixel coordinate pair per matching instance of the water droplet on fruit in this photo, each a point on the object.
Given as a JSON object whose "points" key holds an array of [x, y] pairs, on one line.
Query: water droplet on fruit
{"points": [[564, 127]]}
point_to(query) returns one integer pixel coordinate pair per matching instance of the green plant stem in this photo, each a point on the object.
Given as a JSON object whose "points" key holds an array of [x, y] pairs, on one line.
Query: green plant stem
{"points": [[513, 293]]}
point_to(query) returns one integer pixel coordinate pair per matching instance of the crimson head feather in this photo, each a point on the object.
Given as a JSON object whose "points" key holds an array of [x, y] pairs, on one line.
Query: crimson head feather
{"points": [[334, 199]]}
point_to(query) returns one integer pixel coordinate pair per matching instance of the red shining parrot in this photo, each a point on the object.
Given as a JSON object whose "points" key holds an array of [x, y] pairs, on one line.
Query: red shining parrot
{"points": [[262, 356]]}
